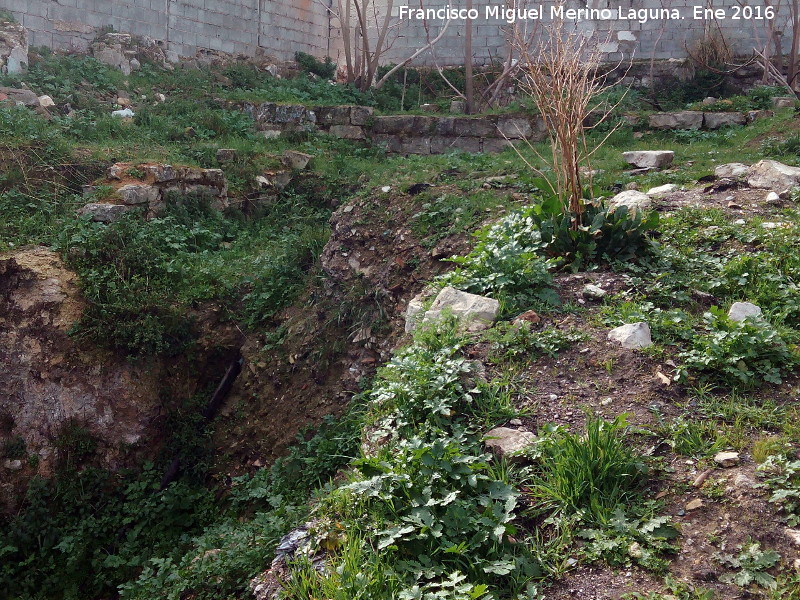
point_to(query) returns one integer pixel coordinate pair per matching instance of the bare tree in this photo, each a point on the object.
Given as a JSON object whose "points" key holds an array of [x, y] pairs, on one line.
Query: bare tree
{"points": [[562, 74]]}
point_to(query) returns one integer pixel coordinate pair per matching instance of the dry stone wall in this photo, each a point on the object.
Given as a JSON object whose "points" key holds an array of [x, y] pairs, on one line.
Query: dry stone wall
{"points": [[402, 134]]}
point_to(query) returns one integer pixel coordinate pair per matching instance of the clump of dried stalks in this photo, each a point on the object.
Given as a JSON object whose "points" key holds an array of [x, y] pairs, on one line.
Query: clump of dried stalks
{"points": [[561, 72]]}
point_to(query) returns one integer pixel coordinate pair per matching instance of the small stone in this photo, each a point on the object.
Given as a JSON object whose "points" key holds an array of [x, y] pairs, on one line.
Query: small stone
{"points": [[606, 401], [552, 397], [701, 478], [734, 206], [743, 481], [709, 100], [694, 504], [631, 186], [530, 316], [739, 222], [681, 512], [515, 422], [727, 199], [631, 336], [740, 311], [161, 97], [135, 64], [46, 101], [505, 442], [727, 459], [124, 101], [386, 189], [772, 198], [126, 113], [593, 292], [13, 465], [431, 108], [662, 189]]}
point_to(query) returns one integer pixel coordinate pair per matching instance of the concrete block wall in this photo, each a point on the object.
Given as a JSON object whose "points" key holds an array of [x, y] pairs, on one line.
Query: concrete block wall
{"points": [[185, 26], [621, 38]]}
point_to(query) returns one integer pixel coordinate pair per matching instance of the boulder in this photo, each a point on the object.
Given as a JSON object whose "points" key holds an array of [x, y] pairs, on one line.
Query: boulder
{"points": [[715, 120], [731, 171], [687, 119], [631, 336], [740, 311], [104, 213], [13, 48], [635, 201], [667, 188], [20, 96], [773, 175], [477, 312], [783, 101], [505, 442], [296, 160], [649, 159]]}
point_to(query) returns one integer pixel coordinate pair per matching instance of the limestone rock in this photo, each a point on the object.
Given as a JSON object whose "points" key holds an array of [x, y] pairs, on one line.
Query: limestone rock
{"points": [[347, 132], [296, 160], [649, 159], [739, 311], [593, 292], [103, 212], [46, 101], [226, 155], [413, 311], [772, 198], [633, 335], [727, 459], [139, 194], [793, 535], [635, 201], [687, 119], [715, 120], [694, 504], [660, 190], [783, 101], [731, 170], [20, 96], [506, 442], [477, 312], [13, 48], [773, 175]]}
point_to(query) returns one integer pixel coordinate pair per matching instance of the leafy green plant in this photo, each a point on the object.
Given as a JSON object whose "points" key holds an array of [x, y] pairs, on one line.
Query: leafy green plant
{"points": [[751, 565], [640, 539], [737, 354], [505, 264], [782, 477], [510, 341]]}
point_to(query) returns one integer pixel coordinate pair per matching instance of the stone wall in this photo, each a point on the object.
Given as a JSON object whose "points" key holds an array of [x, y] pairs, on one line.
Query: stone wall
{"points": [[184, 26], [402, 134]]}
